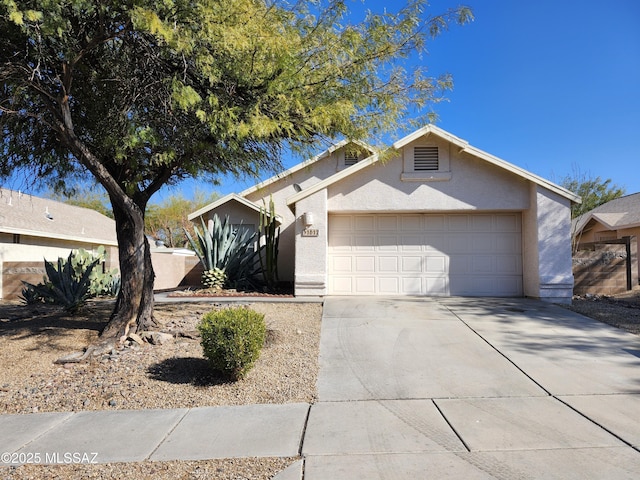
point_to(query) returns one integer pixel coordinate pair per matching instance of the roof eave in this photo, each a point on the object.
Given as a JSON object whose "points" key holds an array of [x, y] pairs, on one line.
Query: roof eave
{"points": [[58, 236]]}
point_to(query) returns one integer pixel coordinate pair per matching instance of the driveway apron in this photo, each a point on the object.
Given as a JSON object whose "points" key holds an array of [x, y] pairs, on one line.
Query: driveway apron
{"points": [[471, 388]]}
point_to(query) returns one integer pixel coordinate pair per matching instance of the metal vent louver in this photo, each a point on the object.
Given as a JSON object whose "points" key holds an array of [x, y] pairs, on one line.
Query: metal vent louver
{"points": [[425, 158], [350, 159]]}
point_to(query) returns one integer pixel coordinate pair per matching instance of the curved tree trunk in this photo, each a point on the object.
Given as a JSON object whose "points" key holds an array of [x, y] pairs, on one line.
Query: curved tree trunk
{"points": [[134, 305]]}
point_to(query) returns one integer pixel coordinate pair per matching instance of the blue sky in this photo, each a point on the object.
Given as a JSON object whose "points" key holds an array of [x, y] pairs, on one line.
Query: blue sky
{"points": [[549, 85]]}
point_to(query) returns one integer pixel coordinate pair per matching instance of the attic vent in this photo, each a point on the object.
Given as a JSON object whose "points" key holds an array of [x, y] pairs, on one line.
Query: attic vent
{"points": [[350, 158], [425, 158]]}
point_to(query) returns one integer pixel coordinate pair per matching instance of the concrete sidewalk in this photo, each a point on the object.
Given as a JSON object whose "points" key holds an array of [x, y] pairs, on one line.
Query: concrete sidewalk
{"points": [[408, 388]]}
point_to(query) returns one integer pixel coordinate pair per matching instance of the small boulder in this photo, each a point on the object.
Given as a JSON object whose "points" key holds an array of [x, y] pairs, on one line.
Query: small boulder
{"points": [[157, 338]]}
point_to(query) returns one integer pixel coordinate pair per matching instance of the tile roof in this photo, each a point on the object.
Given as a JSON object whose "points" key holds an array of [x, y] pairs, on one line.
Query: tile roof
{"points": [[41, 217]]}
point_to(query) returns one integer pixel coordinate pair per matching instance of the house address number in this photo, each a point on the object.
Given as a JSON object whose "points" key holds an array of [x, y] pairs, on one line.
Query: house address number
{"points": [[310, 232]]}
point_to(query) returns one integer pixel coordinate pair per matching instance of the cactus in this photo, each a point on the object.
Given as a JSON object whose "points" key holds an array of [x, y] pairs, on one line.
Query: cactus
{"points": [[268, 252]]}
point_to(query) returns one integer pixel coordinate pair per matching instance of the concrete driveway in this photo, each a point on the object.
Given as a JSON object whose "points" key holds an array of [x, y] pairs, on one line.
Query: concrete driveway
{"points": [[472, 388]]}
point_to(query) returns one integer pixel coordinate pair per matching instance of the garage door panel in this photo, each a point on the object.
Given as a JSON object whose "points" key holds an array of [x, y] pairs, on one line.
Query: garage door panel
{"points": [[364, 243], [435, 223], [458, 223], [436, 286], [508, 223], [388, 223], [411, 285], [388, 243], [435, 243], [411, 243], [365, 285], [364, 222], [481, 223], [426, 254], [460, 264], [341, 285], [435, 264], [457, 244], [482, 264], [411, 223], [482, 243], [411, 264], [388, 264], [365, 264], [341, 264], [509, 244], [388, 285]]}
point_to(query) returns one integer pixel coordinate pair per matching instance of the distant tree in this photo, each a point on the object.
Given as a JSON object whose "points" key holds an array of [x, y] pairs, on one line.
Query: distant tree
{"points": [[139, 94], [167, 220], [593, 190]]}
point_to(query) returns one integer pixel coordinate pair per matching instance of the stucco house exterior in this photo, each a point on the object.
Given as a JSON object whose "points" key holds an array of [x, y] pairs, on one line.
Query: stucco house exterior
{"points": [[34, 228], [435, 217]]}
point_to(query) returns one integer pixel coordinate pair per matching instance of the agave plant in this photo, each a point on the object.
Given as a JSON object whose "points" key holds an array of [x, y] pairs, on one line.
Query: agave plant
{"points": [[226, 253], [63, 286]]}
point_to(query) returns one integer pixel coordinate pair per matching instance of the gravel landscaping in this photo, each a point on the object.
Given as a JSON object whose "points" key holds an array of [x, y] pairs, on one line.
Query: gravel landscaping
{"points": [[172, 375], [176, 375]]}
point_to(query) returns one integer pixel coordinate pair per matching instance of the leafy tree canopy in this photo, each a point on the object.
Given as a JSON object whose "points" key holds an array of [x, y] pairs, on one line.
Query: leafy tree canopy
{"points": [[167, 220], [593, 190], [143, 93]]}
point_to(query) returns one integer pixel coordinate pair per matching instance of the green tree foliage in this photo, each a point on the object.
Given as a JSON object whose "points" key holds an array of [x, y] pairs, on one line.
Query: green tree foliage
{"points": [[167, 221], [593, 190], [139, 94]]}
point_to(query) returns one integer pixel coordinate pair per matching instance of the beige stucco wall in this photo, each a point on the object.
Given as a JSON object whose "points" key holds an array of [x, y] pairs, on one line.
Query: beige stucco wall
{"points": [[554, 246], [474, 185], [311, 261], [283, 189]]}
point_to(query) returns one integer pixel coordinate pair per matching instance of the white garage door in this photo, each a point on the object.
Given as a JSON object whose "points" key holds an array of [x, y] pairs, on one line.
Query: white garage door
{"points": [[426, 254]]}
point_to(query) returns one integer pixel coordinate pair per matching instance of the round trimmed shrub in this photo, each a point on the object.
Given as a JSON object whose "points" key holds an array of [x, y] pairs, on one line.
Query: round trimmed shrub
{"points": [[232, 339]]}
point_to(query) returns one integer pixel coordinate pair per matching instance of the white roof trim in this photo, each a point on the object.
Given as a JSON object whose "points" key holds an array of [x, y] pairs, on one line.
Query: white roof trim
{"points": [[464, 147], [222, 201], [306, 163], [229, 198], [332, 179], [583, 220], [57, 236]]}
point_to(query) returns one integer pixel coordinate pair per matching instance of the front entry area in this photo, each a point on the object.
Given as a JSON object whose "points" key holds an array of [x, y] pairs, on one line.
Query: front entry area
{"points": [[470, 254]]}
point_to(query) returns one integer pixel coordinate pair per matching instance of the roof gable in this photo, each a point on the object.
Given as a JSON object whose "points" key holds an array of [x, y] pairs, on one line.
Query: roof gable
{"points": [[305, 164], [463, 146], [622, 212]]}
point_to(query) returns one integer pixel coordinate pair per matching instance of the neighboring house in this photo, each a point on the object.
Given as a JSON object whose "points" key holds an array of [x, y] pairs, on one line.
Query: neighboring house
{"points": [[437, 217], [33, 229], [610, 221]]}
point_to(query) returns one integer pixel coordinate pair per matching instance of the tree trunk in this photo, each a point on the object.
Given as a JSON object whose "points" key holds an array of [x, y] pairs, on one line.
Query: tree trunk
{"points": [[134, 306]]}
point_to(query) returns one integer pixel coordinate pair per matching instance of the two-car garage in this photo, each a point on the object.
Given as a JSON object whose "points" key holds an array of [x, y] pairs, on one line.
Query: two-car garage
{"points": [[475, 254]]}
